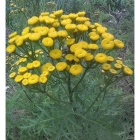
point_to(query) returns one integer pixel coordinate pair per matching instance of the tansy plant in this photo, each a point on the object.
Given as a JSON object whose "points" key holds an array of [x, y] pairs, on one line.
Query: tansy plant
{"points": [[55, 46]]}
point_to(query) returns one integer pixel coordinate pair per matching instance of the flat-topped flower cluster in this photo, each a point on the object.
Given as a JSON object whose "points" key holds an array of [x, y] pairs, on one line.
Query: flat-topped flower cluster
{"points": [[56, 43]]}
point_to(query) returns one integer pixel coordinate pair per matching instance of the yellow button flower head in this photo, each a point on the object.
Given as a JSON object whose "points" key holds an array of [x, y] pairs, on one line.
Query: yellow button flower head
{"points": [[80, 53], [45, 66], [26, 75], [127, 71], [107, 35], [11, 48], [48, 42], [51, 68], [18, 78], [49, 20], [97, 24], [110, 59], [101, 58], [117, 66], [94, 36], [25, 31], [82, 27], [118, 44], [12, 75], [52, 16], [12, 34], [70, 27], [19, 41], [101, 30], [93, 33], [73, 16], [81, 14], [56, 24], [53, 34], [45, 73], [43, 79], [52, 29], [69, 57], [62, 33], [42, 18], [64, 16], [83, 44], [93, 46], [45, 14], [75, 47], [26, 36], [75, 59], [76, 69], [34, 36], [119, 61], [61, 66], [113, 71], [22, 9], [33, 20], [81, 19], [107, 44], [88, 23], [70, 41], [43, 31], [12, 4], [33, 79], [12, 40], [89, 57], [29, 66], [58, 13], [36, 64], [22, 70], [25, 82], [92, 27], [55, 54], [106, 66], [66, 21]]}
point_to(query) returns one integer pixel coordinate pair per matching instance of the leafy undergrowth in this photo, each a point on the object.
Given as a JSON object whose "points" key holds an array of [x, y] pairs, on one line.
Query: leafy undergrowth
{"points": [[36, 117]]}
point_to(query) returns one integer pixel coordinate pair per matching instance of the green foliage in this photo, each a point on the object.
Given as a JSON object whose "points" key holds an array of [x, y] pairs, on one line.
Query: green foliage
{"points": [[44, 118]]}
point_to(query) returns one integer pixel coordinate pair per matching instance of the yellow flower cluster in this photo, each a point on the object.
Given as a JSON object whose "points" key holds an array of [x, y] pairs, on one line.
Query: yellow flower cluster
{"points": [[54, 42], [116, 66]]}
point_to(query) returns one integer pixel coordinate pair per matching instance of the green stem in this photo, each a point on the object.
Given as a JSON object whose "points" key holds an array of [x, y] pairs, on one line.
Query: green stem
{"points": [[117, 79], [69, 89], [88, 67], [98, 95], [32, 50], [55, 98], [104, 96], [58, 76], [95, 100], [109, 51], [78, 98], [64, 89], [25, 15], [27, 96]]}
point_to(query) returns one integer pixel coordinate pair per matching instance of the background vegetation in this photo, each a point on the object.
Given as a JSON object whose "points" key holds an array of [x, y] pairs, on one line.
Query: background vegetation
{"points": [[43, 119]]}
